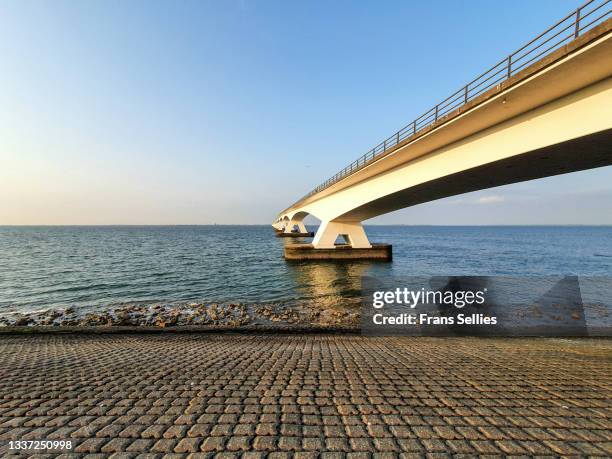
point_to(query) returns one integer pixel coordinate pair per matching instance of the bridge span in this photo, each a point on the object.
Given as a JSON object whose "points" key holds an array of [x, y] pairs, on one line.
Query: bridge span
{"points": [[544, 110]]}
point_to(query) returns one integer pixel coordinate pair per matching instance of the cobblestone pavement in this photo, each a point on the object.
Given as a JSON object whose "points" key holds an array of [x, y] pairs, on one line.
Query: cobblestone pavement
{"points": [[232, 395]]}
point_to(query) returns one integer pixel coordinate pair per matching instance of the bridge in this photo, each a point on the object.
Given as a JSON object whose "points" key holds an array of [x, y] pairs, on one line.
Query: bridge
{"points": [[544, 110]]}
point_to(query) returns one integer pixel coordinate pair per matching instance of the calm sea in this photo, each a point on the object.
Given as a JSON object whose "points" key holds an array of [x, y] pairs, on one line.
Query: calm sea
{"points": [[95, 267]]}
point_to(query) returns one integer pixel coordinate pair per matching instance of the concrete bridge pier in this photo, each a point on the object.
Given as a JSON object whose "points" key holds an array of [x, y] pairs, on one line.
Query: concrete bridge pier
{"points": [[356, 245], [300, 226], [290, 225], [352, 233]]}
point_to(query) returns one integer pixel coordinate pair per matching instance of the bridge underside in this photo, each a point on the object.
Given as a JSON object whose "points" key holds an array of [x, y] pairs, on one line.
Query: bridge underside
{"points": [[570, 134], [555, 121], [588, 152], [583, 153]]}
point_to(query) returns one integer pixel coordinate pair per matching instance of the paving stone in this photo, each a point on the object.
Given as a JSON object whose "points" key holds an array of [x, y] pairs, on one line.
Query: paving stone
{"points": [[385, 455], [286, 443], [307, 395], [116, 445], [313, 444], [264, 443], [434, 445], [239, 443], [289, 430], [226, 455], [91, 445], [361, 444], [305, 455], [163, 445], [154, 431], [175, 432], [332, 455], [132, 431], [140, 445], [280, 455], [386, 444], [188, 445], [562, 448], [221, 430], [410, 445], [253, 455]]}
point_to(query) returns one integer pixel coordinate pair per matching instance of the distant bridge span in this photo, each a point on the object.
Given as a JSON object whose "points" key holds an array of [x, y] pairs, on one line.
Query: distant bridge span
{"points": [[547, 117]]}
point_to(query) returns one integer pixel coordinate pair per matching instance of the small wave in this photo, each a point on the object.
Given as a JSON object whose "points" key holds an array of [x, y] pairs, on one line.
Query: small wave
{"points": [[602, 255]]}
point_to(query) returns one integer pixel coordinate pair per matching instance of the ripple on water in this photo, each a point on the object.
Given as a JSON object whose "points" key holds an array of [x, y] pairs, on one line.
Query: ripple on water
{"points": [[96, 267]]}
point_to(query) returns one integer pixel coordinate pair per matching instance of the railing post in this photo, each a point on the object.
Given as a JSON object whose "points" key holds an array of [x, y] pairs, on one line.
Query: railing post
{"points": [[577, 28], [424, 121]]}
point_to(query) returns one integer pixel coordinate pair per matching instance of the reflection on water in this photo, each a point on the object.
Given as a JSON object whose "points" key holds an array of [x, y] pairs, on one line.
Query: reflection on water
{"points": [[329, 283], [94, 267]]}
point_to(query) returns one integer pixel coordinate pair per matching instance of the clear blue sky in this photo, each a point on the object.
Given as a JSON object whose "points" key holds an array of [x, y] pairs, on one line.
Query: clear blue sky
{"points": [[227, 111]]}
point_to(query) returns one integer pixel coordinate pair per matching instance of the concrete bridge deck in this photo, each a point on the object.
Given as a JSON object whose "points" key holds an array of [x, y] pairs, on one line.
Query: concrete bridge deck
{"points": [[541, 111], [328, 396]]}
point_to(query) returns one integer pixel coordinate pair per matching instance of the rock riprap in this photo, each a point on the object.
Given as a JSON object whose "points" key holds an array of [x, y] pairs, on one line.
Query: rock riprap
{"points": [[231, 315]]}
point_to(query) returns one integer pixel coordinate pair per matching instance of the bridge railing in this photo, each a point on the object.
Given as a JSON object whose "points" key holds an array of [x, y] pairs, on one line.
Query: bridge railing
{"points": [[587, 16]]}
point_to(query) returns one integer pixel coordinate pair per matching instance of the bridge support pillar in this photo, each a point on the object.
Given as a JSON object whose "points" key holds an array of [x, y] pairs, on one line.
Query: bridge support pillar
{"points": [[352, 232], [324, 246], [287, 230], [293, 223]]}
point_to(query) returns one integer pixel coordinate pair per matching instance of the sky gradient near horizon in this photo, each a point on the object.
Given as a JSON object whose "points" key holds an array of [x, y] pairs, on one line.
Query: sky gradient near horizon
{"points": [[201, 112]]}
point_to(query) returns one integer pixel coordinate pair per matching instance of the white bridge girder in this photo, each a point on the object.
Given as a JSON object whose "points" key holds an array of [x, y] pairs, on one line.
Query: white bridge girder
{"points": [[556, 121]]}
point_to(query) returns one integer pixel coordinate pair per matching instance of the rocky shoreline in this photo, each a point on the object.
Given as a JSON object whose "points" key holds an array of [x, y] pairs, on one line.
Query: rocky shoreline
{"points": [[230, 315]]}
